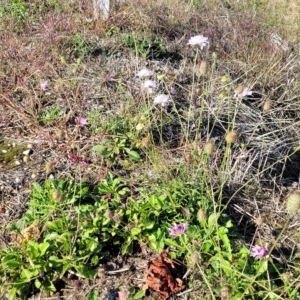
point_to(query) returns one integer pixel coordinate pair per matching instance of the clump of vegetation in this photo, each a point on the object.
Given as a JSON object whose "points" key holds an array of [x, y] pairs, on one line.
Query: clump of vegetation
{"points": [[169, 127]]}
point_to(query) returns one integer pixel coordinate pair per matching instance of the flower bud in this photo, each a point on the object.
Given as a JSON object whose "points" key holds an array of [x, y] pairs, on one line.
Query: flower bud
{"points": [[231, 136], [293, 202], [209, 148], [203, 67], [267, 105]]}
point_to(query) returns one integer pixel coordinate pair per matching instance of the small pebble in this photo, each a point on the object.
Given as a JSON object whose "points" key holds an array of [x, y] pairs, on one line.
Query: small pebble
{"points": [[51, 177], [33, 175], [17, 180], [14, 144], [29, 146], [26, 152], [4, 151], [17, 162]]}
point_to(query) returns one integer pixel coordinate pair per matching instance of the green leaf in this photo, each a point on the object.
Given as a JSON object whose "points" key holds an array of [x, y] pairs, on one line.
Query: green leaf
{"points": [[170, 242], [135, 231], [213, 219], [86, 272], [12, 294], [37, 283], [43, 247], [98, 148], [12, 260], [222, 232], [139, 295], [93, 295], [132, 154], [26, 275], [262, 267]]}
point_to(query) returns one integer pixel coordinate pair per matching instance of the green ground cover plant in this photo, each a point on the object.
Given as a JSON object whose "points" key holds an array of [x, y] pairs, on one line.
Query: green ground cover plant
{"points": [[171, 127]]}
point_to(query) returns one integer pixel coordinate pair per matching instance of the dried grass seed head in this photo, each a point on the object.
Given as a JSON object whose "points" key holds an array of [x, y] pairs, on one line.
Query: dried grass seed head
{"points": [[293, 203], [231, 136]]}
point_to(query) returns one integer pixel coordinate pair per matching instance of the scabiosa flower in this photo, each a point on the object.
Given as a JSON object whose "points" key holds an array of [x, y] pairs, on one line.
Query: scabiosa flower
{"points": [[259, 251], [82, 121], [200, 40], [144, 73], [150, 85], [162, 99], [123, 295], [173, 91], [242, 91], [44, 85], [178, 229]]}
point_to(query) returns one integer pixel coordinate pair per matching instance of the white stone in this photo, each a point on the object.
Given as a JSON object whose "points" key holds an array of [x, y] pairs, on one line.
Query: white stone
{"points": [[101, 6]]}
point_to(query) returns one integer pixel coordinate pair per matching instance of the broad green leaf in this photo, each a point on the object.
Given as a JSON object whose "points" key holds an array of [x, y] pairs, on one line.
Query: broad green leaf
{"points": [[37, 283], [98, 148], [86, 272], [139, 295], [262, 266], [26, 275], [93, 295], [43, 247], [132, 154], [135, 231], [12, 294]]}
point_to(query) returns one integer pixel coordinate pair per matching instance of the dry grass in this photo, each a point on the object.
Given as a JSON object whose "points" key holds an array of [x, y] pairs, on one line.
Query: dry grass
{"points": [[103, 84]]}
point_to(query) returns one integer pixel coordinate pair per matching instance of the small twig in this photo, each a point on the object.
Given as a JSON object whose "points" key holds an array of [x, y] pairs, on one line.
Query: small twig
{"points": [[186, 273], [184, 292], [125, 269]]}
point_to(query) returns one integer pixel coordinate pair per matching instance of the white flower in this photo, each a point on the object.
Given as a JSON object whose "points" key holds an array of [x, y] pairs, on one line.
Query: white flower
{"points": [[242, 92], [144, 73], [200, 40], [150, 85], [162, 99], [44, 85]]}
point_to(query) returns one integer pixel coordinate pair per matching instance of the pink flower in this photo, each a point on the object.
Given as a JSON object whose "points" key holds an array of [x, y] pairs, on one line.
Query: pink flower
{"points": [[173, 91], [244, 93], [150, 85], [82, 121], [44, 85], [144, 73], [200, 40], [259, 251], [162, 99], [123, 295], [178, 229]]}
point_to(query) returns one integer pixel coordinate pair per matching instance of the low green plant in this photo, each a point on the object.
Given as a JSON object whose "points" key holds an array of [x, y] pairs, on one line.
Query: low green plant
{"points": [[80, 46], [118, 148], [50, 115], [144, 47]]}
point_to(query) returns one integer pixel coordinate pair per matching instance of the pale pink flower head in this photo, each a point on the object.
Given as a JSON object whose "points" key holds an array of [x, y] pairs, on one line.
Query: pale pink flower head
{"points": [[242, 93], [178, 229], [259, 251], [150, 85], [82, 121], [44, 85], [173, 91], [144, 73], [200, 40], [162, 99], [123, 295]]}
